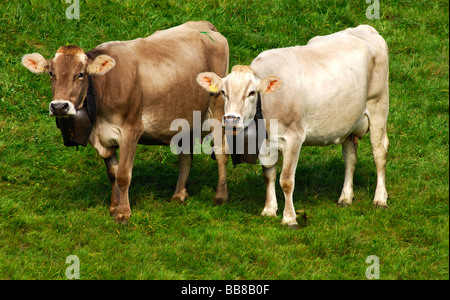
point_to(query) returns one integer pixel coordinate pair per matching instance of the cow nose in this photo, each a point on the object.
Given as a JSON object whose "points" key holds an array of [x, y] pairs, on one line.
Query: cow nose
{"points": [[231, 120], [59, 108]]}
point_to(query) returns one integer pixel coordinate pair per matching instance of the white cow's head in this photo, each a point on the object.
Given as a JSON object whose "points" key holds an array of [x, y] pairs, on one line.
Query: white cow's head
{"points": [[67, 73], [240, 91]]}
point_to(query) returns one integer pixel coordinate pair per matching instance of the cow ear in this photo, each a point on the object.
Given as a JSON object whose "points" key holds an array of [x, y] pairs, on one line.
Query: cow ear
{"points": [[35, 62], [101, 65], [210, 81], [270, 84]]}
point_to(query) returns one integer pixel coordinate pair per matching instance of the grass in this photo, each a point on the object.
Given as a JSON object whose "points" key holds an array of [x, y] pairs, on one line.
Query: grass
{"points": [[54, 201]]}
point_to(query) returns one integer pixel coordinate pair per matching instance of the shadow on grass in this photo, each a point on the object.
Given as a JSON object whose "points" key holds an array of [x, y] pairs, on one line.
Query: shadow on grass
{"points": [[315, 183]]}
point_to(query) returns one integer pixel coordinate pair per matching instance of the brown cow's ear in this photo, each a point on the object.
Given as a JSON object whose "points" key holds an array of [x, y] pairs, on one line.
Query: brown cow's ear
{"points": [[210, 81], [270, 84], [35, 62], [101, 65]]}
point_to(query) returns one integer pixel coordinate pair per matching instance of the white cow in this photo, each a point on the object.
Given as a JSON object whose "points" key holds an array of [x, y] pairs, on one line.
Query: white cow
{"points": [[334, 90]]}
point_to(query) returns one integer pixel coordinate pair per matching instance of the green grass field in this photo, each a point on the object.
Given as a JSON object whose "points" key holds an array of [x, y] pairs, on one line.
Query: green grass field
{"points": [[54, 201]]}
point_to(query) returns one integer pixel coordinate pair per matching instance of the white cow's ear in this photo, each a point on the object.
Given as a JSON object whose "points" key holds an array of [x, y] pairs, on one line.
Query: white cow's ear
{"points": [[35, 62], [210, 81], [270, 84], [101, 65]]}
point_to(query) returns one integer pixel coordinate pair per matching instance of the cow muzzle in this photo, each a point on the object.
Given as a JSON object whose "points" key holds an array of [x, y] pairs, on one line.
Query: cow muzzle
{"points": [[232, 124], [62, 108]]}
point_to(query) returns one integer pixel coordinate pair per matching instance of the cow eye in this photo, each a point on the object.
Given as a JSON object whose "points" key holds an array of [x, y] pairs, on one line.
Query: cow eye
{"points": [[81, 76], [223, 93], [50, 74], [252, 93]]}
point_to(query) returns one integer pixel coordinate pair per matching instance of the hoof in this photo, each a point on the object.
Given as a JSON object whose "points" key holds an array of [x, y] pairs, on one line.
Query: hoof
{"points": [[345, 199], [344, 203], [112, 211], [122, 218], [178, 199], [380, 204], [269, 213], [220, 201], [289, 222], [221, 196]]}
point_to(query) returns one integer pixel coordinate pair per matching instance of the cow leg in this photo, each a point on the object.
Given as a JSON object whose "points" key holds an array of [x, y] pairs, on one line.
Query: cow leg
{"points": [[287, 179], [349, 149], [222, 187], [378, 110], [184, 167], [216, 106], [123, 177], [111, 169], [271, 206]]}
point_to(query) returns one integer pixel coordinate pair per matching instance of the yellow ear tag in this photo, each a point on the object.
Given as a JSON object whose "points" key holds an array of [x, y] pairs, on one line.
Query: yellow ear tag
{"points": [[213, 88]]}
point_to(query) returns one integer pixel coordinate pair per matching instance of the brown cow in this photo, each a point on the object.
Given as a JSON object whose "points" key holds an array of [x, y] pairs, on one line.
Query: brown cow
{"points": [[140, 87]]}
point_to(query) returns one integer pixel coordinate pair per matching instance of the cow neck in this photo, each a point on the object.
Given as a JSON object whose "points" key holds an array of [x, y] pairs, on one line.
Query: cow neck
{"points": [[89, 101]]}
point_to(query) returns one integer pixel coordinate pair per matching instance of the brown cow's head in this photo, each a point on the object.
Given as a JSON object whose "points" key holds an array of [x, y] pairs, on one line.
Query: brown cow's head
{"points": [[239, 90], [68, 72]]}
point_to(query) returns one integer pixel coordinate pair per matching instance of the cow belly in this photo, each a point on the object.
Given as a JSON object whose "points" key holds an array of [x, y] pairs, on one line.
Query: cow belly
{"points": [[158, 123], [149, 139], [328, 129]]}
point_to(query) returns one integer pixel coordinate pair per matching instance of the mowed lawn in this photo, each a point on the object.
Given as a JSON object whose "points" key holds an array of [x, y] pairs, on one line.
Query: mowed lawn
{"points": [[54, 200]]}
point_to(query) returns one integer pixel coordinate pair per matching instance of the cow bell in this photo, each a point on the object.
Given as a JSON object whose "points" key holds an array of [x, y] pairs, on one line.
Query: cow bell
{"points": [[75, 129], [244, 146]]}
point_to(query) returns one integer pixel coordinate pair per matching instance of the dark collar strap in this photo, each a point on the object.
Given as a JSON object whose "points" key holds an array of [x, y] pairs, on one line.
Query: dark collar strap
{"points": [[258, 104], [259, 114], [90, 103]]}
